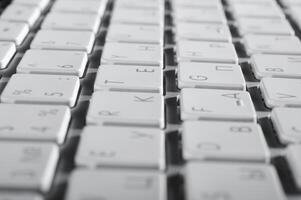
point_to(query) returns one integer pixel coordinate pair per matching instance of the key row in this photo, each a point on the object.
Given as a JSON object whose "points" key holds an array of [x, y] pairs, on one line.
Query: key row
{"points": [[140, 108], [36, 173], [229, 76], [204, 51], [76, 45], [200, 182], [50, 123], [195, 103], [276, 92], [31, 166]]}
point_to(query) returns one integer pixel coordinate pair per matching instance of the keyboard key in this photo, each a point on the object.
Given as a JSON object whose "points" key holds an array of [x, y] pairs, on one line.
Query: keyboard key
{"points": [[27, 166], [36, 123], [295, 13], [13, 32], [278, 92], [293, 158], [121, 185], [21, 13], [132, 147], [53, 62], [72, 21], [224, 105], [19, 196], [206, 52], [224, 141], [287, 122], [7, 51], [64, 40], [285, 45], [267, 10], [227, 181], [132, 54], [196, 3], [280, 66], [138, 4], [131, 109], [120, 78], [209, 15], [264, 26], [42, 4], [87, 7], [138, 16], [41, 89], [290, 3], [203, 32], [250, 1], [210, 75], [135, 33]]}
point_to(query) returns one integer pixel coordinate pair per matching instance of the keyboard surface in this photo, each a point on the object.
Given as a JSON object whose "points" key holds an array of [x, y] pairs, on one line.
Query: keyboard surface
{"points": [[150, 99]]}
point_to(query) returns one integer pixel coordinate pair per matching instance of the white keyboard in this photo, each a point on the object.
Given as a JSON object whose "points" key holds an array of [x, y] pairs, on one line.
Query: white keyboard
{"points": [[150, 99]]}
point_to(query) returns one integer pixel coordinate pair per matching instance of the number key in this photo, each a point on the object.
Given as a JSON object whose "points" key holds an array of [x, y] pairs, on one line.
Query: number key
{"points": [[41, 89], [53, 62], [37, 122]]}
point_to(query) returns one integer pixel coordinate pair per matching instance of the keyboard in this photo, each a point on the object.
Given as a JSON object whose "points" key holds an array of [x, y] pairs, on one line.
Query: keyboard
{"points": [[150, 99]]}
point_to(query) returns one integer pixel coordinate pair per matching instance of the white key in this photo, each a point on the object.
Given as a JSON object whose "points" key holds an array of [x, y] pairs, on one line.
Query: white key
{"points": [[121, 185], [210, 75], [291, 3], [293, 158], [36, 123], [138, 16], [7, 51], [42, 4], [135, 33], [41, 89], [264, 26], [132, 147], [225, 105], [138, 4], [27, 166], [196, 3], [209, 15], [268, 10], [224, 141], [229, 181], [268, 44], [250, 1], [132, 54], [279, 66], [64, 40], [129, 78], [13, 32], [72, 21], [88, 7], [206, 52], [53, 62], [21, 13], [287, 124], [295, 8], [120, 108], [203, 32], [19, 196], [279, 92]]}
